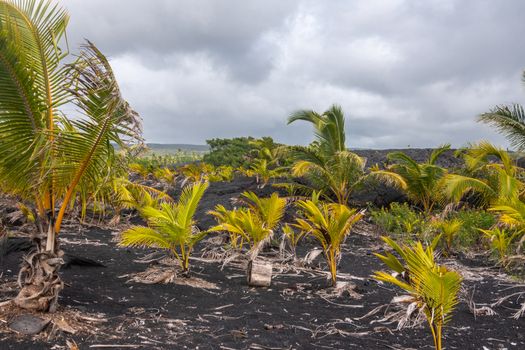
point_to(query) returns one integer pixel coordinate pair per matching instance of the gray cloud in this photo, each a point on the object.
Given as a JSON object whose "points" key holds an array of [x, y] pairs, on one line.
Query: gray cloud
{"points": [[406, 72]]}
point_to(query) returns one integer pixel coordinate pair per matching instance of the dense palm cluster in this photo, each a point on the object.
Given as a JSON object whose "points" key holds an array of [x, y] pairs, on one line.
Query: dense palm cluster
{"points": [[67, 167]]}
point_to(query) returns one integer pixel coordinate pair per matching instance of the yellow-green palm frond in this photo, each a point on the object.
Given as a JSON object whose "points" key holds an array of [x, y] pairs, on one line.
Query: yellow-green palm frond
{"points": [[457, 186], [437, 153], [303, 167], [432, 287], [478, 155], [87, 153], [270, 210], [509, 186], [189, 201], [391, 178], [511, 213], [439, 289], [389, 278], [139, 236], [33, 85], [509, 121]]}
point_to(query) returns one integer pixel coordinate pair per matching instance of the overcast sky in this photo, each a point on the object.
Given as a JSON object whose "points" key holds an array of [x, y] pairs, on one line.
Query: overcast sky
{"points": [[405, 72]]}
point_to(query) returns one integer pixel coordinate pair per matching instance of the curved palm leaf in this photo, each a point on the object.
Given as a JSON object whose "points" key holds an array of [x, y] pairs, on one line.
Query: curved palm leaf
{"points": [[509, 121], [86, 152]]}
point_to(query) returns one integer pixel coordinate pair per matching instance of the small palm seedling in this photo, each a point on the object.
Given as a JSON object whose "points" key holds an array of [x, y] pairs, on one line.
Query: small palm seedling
{"points": [[329, 224], [170, 227], [448, 230], [230, 221], [433, 289], [195, 172], [254, 224], [263, 171], [140, 169], [500, 242], [164, 174], [222, 173]]}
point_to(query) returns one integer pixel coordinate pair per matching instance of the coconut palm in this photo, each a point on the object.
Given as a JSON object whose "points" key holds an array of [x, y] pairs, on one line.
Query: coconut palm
{"points": [[433, 288], [254, 224], [46, 158], [329, 224], [448, 229], [491, 172], [329, 128], [171, 226], [420, 181], [326, 163], [263, 171], [509, 121]]}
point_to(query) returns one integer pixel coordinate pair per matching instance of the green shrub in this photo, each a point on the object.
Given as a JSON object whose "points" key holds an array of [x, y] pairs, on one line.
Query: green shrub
{"points": [[234, 152], [472, 220], [399, 219]]}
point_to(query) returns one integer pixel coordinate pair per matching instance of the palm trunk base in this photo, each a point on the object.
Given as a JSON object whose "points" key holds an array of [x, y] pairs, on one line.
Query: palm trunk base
{"points": [[39, 280]]}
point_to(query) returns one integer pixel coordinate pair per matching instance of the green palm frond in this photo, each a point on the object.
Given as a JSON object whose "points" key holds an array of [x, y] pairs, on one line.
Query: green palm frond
{"points": [[496, 181], [270, 210], [512, 213], [509, 121], [139, 236], [479, 153], [86, 152], [255, 224], [189, 201], [457, 186], [32, 86], [437, 153], [390, 178]]}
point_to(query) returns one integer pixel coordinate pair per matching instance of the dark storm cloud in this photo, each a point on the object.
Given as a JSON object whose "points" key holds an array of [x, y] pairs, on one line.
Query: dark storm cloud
{"points": [[406, 72]]}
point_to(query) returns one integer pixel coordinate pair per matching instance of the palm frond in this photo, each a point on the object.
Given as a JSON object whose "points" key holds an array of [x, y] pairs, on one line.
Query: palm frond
{"points": [[457, 186], [139, 236], [437, 153], [509, 121], [87, 151]]}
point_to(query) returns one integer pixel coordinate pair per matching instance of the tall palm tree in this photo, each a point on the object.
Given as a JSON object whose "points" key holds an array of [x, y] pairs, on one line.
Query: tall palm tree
{"points": [[509, 121], [46, 158], [326, 163], [420, 181]]}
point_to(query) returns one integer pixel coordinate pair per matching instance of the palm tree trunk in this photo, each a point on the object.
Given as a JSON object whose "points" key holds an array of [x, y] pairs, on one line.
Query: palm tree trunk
{"points": [[38, 278], [332, 264]]}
